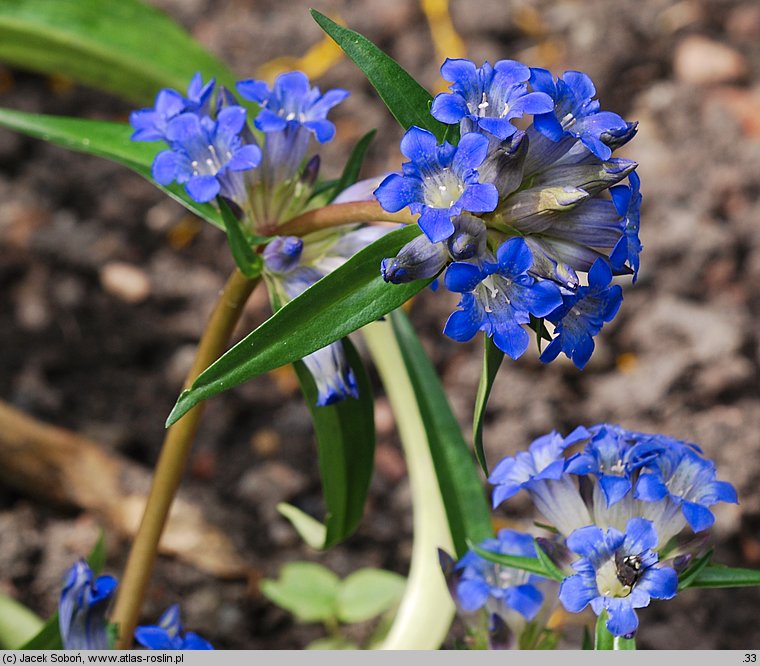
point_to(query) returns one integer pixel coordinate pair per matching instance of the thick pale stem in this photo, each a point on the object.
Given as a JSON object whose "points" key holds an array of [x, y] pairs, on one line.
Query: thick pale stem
{"points": [[336, 215], [171, 462], [426, 610]]}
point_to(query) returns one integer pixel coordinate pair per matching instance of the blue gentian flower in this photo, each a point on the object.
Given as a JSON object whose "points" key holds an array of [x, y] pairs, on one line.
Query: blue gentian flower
{"points": [[168, 634], [291, 112], [487, 98], [150, 124], [582, 315], [679, 474], [627, 201], [499, 588], [439, 181], [207, 155], [616, 573], [499, 298], [576, 112], [613, 455], [541, 470], [82, 608]]}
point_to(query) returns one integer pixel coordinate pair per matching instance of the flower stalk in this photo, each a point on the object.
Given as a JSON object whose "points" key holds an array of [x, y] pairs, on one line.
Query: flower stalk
{"points": [[171, 463]]}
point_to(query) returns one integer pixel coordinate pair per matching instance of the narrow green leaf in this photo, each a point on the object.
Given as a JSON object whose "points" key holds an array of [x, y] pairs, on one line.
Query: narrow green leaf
{"points": [[306, 589], [367, 593], [124, 47], [492, 358], [530, 564], [249, 263], [720, 576], [462, 491], [97, 557], [103, 139], [406, 99], [345, 434], [342, 302], [587, 642], [309, 529], [603, 639]]}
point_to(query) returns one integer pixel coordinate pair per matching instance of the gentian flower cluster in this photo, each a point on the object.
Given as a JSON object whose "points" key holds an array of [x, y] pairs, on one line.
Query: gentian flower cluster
{"points": [[620, 504], [263, 171], [82, 608], [513, 215]]}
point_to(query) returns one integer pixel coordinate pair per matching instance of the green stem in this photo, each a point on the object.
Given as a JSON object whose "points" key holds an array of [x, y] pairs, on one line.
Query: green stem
{"points": [[171, 462], [336, 215], [426, 610]]}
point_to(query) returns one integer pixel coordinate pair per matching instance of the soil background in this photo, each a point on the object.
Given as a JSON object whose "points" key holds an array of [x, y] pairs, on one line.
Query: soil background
{"points": [[105, 286]]}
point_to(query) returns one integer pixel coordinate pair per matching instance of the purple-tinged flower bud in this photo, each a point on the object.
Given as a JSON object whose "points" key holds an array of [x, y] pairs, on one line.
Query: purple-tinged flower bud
{"points": [[503, 166], [311, 171], [283, 254], [168, 634], [469, 238], [82, 608], [418, 259]]}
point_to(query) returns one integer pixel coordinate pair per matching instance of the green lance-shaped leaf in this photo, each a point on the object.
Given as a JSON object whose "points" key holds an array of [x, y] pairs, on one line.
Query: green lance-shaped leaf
{"points": [[103, 139], [715, 575], [345, 434], [492, 358], [17, 623], [125, 47], [406, 99], [463, 496], [249, 263], [342, 302], [521, 562]]}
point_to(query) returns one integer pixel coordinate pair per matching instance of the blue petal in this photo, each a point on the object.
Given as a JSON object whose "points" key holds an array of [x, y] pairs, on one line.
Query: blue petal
{"points": [[462, 325], [397, 192], [268, 121], [622, 618], [231, 120], [164, 169], [462, 277], [479, 198], [586, 541], [650, 488], [698, 516], [256, 91], [525, 599], [202, 188], [154, 638], [472, 594], [436, 223], [418, 144], [512, 340], [615, 488], [460, 71], [324, 130], [247, 157], [514, 257], [183, 128], [577, 591], [471, 152], [449, 108], [640, 536], [194, 642], [659, 582]]}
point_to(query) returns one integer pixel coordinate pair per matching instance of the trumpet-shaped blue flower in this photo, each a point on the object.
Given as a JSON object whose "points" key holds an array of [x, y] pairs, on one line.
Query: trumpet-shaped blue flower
{"points": [[497, 587], [614, 455], [679, 474], [151, 124], [616, 572], [207, 155], [291, 112], [168, 634], [82, 608], [292, 102], [488, 98], [582, 315], [439, 182], [576, 112], [499, 298], [627, 200]]}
